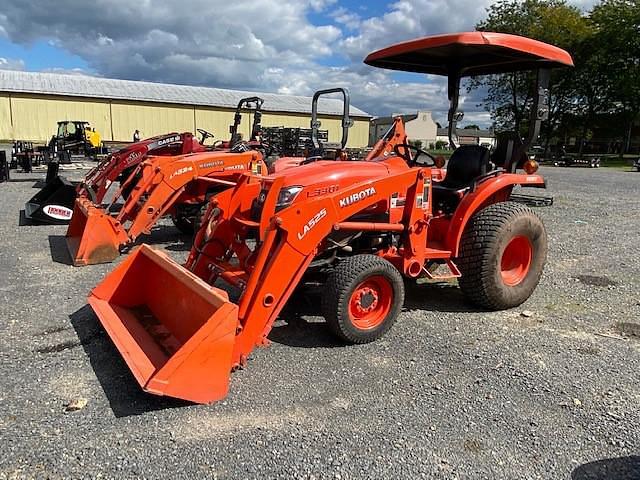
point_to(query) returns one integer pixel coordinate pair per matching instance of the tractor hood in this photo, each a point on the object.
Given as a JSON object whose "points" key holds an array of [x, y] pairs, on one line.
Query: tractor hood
{"points": [[324, 177], [332, 172]]}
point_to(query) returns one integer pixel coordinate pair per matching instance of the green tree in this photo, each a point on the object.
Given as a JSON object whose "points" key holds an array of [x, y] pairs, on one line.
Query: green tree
{"points": [[509, 96], [615, 60], [416, 143], [473, 126]]}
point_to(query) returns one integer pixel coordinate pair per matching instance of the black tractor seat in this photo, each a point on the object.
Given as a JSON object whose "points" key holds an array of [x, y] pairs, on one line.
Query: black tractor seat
{"points": [[467, 164]]}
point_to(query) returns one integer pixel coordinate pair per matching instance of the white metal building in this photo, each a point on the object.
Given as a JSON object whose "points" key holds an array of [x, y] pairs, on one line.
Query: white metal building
{"points": [[32, 103]]}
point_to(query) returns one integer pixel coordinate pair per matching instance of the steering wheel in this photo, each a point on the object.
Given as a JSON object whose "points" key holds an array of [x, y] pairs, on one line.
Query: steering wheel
{"points": [[204, 134], [403, 150]]}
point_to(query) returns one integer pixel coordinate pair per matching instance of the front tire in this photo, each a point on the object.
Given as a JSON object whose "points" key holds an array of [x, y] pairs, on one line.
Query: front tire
{"points": [[502, 254], [362, 299]]}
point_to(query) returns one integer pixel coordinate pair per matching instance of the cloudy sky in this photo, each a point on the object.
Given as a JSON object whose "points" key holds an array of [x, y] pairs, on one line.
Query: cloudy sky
{"points": [[286, 46]]}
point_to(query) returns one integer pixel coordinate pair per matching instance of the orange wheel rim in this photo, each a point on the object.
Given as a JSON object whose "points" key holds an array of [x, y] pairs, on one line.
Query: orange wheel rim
{"points": [[516, 260], [370, 303]]}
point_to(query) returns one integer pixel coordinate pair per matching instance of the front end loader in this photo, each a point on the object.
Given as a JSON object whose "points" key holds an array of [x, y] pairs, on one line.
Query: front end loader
{"points": [[54, 202], [176, 186], [360, 229]]}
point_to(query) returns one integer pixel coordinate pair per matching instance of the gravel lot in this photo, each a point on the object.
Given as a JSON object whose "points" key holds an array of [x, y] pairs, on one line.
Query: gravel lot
{"points": [[451, 392]]}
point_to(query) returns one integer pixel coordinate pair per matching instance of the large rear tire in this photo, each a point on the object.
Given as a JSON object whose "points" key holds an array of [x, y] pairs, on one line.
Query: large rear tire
{"points": [[362, 299], [502, 254]]}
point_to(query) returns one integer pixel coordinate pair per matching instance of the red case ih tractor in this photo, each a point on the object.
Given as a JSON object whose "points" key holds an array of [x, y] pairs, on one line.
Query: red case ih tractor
{"points": [[359, 228]]}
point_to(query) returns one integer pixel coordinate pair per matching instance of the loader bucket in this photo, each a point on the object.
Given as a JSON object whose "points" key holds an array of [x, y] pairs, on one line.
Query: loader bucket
{"points": [[175, 332], [53, 203], [93, 235]]}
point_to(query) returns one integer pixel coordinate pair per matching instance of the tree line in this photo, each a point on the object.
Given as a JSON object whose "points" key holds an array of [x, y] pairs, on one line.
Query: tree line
{"points": [[601, 94]]}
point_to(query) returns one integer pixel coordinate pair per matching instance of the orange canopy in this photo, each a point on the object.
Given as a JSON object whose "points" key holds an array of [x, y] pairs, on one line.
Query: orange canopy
{"points": [[469, 53]]}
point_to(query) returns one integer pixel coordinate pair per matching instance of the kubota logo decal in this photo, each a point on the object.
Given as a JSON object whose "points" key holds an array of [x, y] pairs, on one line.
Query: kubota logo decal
{"points": [[357, 197], [235, 167], [180, 171], [217, 163], [312, 223], [58, 212]]}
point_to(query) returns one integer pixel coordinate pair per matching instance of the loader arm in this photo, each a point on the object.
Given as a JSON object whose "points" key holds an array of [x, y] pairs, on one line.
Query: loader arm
{"points": [[99, 179], [161, 183], [164, 185], [396, 135]]}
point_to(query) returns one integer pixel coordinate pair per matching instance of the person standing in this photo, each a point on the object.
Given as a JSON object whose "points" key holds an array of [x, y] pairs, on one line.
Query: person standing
{"points": [[136, 136]]}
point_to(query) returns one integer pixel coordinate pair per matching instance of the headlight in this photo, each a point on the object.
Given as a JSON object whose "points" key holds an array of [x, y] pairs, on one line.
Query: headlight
{"points": [[287, 196]]}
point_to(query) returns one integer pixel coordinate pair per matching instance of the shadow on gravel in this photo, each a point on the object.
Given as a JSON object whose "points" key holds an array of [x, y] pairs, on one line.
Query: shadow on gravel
{"points": [[437, 297], [59, 251], [302, 333], [299, 332], [125, 396], [621, 468], [169, 237]]}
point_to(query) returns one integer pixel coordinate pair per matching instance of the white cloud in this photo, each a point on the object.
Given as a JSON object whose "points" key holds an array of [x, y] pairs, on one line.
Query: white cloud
{"points": [[268, 45], [408, 19], [11, 64], [349, 19]]}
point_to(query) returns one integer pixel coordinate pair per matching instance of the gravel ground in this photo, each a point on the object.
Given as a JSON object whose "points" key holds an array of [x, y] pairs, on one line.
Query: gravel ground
{"points": [[450, 392]]}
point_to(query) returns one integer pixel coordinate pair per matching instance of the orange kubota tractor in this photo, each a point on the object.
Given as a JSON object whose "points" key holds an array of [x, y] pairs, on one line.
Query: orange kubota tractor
{"points": [[356, 227], [179, 186]]}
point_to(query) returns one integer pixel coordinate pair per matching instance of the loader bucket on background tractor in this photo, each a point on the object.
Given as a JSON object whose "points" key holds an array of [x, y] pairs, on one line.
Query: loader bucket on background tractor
{"points": [[93, 235], [53, 203], [142, 306]]}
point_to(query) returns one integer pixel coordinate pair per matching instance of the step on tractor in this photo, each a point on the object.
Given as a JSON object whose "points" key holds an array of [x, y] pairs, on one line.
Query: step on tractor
{"points": [[178, 186], [358, 229]]}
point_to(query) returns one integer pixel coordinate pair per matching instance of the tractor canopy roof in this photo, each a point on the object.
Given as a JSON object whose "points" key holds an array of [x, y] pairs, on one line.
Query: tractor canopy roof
{"points": [[469, 53]]}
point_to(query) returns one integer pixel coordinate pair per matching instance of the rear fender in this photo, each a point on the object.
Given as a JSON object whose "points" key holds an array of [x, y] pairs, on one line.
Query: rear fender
{"points": [[492, 190]]}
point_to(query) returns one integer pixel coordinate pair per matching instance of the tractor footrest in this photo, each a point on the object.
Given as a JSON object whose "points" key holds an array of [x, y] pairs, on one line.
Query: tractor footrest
{"points": [[453, 272]]}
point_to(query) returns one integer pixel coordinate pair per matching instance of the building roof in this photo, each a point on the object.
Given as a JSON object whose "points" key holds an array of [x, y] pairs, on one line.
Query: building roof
{"points": [[13, 81], [469, 132]]}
